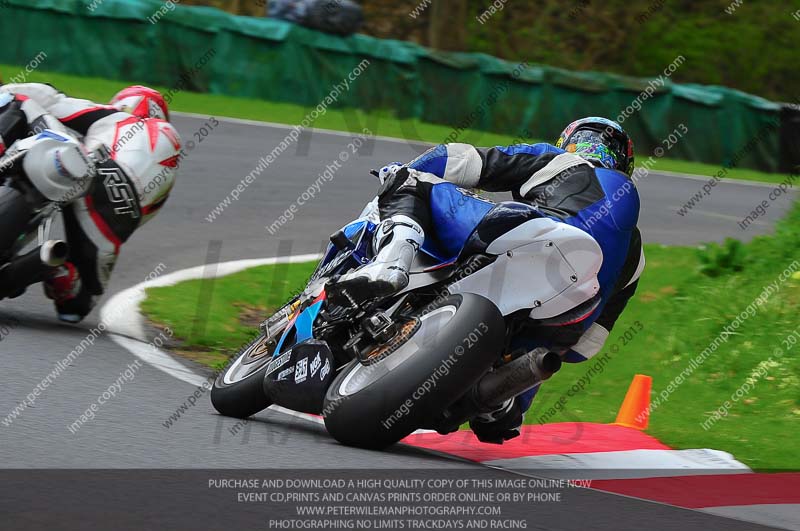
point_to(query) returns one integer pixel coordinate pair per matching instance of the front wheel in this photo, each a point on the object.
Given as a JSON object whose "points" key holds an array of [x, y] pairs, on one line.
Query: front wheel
{"points": [[15, 213], [438, 354], [239, 389]]}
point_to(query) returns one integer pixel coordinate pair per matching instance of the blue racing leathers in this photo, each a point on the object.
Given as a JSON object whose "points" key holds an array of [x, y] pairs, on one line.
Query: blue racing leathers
{"points": [[564, 187]]}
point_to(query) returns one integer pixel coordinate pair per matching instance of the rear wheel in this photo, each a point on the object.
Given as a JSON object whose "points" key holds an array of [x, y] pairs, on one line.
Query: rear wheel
{"points": [[434, 359]]}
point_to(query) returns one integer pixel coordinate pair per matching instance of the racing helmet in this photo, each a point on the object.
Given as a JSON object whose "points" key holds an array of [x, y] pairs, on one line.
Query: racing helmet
{"points": [[142, 102], [601, 141]]}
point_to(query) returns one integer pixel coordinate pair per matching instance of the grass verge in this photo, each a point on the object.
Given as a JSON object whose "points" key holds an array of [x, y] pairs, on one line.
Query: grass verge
{"points": [[236, 305], [685, 299], [380, 123]]}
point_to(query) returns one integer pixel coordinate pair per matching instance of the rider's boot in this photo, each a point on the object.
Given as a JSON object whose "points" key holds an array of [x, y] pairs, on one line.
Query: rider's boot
{"points": [[63, 286], [397, 240], [502, 424]]}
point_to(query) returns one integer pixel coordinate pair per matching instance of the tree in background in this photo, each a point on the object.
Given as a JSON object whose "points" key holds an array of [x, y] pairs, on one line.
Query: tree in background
{"points": [[751, 47], [447, 25], [252, 8]]}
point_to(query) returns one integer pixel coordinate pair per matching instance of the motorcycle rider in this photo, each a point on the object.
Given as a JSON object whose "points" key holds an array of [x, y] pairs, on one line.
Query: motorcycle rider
{"points": [[582, 180], [128, 155]]}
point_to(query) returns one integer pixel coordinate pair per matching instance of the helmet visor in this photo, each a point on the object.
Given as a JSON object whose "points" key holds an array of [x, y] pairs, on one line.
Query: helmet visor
{"points": [[614, 144], [594, 137]]}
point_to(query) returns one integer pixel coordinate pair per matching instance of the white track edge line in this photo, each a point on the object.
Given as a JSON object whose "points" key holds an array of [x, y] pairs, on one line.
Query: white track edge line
{"points": [[121, 311], [126, 324]]}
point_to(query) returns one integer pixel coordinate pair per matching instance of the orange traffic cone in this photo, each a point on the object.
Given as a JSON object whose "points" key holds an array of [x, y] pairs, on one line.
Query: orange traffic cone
{"points": [[635, 410]]}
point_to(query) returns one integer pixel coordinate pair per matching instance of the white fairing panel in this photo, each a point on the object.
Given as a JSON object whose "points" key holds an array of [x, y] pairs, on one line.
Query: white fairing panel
{"points": [[544, 265], [56, 164]]}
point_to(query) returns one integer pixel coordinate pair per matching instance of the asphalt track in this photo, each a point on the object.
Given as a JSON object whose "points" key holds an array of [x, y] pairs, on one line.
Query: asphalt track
{"points": [[128, 430]]}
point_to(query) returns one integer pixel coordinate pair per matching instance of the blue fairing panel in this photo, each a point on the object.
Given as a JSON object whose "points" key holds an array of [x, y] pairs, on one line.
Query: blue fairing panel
{"points": [[305, 322], [362, 243], [47, 133], [354, 227], [455, 213], [303, 327]]}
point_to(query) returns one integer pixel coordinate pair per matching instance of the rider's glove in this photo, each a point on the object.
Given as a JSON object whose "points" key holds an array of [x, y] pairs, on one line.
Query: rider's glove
{"points": [[500, 425], [388, 171]]}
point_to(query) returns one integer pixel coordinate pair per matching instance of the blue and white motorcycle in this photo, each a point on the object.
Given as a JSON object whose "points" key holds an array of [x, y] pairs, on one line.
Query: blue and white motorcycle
{"points": [[435, 354]]}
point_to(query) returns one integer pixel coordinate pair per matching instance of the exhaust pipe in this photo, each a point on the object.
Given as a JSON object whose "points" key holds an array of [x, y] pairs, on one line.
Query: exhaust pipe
{"points": [[32, 267], [495, 387], [53, 253], [517, 377]]}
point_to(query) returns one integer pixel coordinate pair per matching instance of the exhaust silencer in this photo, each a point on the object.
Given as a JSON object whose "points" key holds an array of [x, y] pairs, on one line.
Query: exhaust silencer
{"points": [[53, 253], [517, 377]]}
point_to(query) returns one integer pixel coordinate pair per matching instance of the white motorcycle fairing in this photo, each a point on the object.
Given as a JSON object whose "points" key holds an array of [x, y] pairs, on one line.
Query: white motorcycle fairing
{"points": [[56, 164], [544, 265]]}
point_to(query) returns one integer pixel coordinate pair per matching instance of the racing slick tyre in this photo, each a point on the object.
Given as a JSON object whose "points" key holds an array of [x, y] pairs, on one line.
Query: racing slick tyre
{"points": [[439, 352], [238, 390]]}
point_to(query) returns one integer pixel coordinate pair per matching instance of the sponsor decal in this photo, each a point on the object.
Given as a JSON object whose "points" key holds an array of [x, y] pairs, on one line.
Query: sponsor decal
{"points": [[301, 371], [119, 191], [284, 374], [315, 365], [325, 369], [279, 362]]}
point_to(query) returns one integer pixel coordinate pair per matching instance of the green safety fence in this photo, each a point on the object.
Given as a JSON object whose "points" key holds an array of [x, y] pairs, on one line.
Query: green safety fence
{"points": [[206, 50]]}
